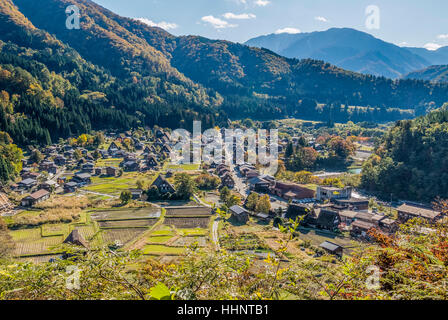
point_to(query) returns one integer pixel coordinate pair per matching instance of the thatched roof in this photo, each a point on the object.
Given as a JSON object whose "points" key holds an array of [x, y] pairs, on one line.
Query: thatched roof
{"points": [[77, 239]]}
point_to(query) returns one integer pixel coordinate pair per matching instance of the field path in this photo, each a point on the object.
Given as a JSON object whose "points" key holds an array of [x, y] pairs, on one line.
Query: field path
{"points": [[215, 237]]}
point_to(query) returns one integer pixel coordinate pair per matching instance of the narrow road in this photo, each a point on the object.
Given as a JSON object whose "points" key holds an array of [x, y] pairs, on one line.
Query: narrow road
{"points": [[215, 237]]}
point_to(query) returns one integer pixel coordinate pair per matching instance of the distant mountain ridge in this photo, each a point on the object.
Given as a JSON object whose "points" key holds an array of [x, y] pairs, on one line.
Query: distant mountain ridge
{"points": [[352, 50], [432, 73], [117, 72]]}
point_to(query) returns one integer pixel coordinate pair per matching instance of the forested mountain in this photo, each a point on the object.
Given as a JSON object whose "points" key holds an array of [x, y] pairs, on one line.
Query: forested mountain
{"points": [[433, 73], [116, 72], [411, 163], [435, 57], [346, 48]]}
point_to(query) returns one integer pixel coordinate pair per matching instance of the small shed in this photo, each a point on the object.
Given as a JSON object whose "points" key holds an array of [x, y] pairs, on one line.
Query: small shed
{"points": [[240, 214], [332, 248]]}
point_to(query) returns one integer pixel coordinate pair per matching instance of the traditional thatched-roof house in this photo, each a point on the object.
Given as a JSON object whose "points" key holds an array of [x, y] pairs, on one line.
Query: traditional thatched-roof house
{"points": [[77, 239], [163, 185]]}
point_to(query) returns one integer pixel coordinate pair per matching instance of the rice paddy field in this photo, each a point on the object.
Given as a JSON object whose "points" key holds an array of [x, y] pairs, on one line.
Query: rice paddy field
{"points": [[121, 236], [187, 211], [188, 222], [128, 213], [159, 232]]}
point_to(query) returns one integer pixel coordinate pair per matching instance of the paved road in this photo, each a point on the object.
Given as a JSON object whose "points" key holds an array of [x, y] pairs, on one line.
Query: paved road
{"points": [[240, 185]]}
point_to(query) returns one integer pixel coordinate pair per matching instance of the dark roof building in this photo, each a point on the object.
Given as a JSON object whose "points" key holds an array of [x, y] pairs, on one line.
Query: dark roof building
{"points": [[406, 212], [332, 248], [163, 185], [239, 213]]}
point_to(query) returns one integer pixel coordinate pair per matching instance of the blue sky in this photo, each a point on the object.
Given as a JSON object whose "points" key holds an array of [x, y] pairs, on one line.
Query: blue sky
{"points": [[403, 22]]}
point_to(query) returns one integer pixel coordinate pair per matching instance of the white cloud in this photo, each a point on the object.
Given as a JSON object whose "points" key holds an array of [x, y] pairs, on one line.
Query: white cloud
{"points": [[288, 30], [403, 44], [442, 36], [321, 19], [163, 24], [262, 3], [218, 23], [243, 16], [432, 46]]}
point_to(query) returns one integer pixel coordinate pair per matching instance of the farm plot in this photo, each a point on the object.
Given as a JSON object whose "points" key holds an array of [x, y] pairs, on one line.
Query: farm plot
{"points": [[130, 213], [187, 211], [127, 223], [122, 236], [41, 246], [188, 241], [87, 232], [192, 232], [51, 230], [155, 249], [186, 223], [159, 239], [245, 241]]}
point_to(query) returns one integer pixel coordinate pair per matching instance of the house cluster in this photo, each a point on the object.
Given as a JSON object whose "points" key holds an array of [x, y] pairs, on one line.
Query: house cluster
{"points": [[351, 214], [224, 172], [269, 185]]}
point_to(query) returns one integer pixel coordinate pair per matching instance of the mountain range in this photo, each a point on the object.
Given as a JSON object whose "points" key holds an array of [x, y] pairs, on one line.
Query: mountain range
{"points": [[116, 72], [353, 50]]}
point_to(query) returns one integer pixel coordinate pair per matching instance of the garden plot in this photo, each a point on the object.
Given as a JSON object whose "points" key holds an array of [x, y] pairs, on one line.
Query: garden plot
{"points": [[51, 230], [130, 213], [188, 241], [127, 223], [186, 223], [162, 250], [121, 236], [187, 211], [41, 246]]}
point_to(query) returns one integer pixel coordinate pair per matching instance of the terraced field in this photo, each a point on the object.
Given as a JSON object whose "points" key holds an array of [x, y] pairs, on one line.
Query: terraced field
{"points": [[155, 249], [188, 241], [127, 223], [187, 211], [129, 213], [122, 236], [186, 223]]}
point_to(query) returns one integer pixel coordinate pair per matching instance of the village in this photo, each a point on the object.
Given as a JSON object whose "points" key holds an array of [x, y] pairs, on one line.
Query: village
{"points": [[155, 220]]}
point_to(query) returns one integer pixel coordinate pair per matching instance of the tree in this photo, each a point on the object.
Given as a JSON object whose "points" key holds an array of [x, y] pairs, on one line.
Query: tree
{"points": [[263, 204], [125, 197], [224, 194], [153, 193], [96, 154], [140, 184], [185, 186], [340, 148], [233, 200], [36, 156], [251, 201], [289, 150]]}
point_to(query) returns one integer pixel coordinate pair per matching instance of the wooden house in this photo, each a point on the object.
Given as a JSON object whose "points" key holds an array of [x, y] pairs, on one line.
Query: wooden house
{"points": [[240, 214], [163, 185], [407, 211], [36, 197]]}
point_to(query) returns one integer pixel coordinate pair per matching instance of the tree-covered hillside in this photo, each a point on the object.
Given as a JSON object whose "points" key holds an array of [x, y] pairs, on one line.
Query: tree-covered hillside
{"points": [[252, 81], [433, 73], [411, 163], [53, 92]]}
